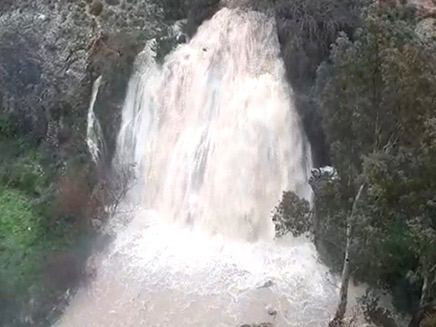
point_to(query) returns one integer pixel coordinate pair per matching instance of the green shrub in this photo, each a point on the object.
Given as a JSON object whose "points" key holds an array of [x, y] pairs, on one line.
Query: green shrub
{"points": [[6, 126], [293, 215]]}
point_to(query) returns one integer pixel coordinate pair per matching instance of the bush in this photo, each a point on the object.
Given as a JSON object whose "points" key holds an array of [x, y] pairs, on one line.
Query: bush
{"points": [[292, 215], [21, 166], [6, 126]]}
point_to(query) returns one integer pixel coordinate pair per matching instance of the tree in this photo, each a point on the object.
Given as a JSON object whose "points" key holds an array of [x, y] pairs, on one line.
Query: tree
{"points": [[346, 271], [293, 215], [378, 96]]}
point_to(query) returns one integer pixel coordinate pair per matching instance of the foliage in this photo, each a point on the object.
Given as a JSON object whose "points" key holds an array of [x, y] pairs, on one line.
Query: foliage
{"points": [[378, 97], [373, 312], [6, 126], [34, 231], [330, 210], [292, 215], [24, 172], [306, 28]]}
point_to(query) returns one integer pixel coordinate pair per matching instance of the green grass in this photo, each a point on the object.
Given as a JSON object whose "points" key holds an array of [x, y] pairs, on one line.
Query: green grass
{"points": [[30, 231], [37, 237], [24, 190], [20, 253]]}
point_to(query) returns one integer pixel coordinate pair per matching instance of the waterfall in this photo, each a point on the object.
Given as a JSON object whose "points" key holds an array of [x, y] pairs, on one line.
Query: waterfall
{"points": [[94, 134], [215, 138], [214, 132]]}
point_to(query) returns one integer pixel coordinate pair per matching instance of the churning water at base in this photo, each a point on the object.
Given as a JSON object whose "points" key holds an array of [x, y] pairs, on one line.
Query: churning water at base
{"points": [[215, 139]]}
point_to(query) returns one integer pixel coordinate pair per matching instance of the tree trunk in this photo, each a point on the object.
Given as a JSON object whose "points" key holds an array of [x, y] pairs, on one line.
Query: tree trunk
{"points": [[342, 306], [424, 292], [428, 285]]}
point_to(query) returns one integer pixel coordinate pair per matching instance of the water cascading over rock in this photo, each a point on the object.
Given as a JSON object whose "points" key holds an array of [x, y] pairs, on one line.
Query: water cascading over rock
{"points": [[214, 131], [215, 139], [94, 134]]}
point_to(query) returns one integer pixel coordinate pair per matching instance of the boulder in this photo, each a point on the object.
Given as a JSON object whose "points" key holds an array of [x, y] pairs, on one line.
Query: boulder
{"points": [[96, 7]]}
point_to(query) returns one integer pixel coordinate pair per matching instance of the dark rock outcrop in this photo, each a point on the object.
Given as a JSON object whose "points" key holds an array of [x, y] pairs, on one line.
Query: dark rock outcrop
{"points": [[52, 51], [96, 8]]}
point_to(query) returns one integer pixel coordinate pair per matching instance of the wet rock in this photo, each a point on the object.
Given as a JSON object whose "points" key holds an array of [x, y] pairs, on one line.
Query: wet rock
{"points": [[271, 311], [51, 52], [267, 283], [181, 38], [113, 2], [96, 8], [42, 17], [63, 269], [427, 28], [96, 223], [43, 66]]}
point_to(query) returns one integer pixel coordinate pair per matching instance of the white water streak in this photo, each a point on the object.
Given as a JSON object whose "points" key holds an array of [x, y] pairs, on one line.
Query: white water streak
{"points": [[94, 134]]}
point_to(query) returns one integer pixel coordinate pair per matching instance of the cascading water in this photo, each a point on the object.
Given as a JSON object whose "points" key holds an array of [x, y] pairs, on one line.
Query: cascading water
{"points": [[215, 139], [94, 134], [214, 131]]}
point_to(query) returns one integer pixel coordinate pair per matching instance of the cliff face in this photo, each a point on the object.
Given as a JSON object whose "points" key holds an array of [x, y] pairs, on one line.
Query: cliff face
{"points": [[42, 61], [51, 51]]}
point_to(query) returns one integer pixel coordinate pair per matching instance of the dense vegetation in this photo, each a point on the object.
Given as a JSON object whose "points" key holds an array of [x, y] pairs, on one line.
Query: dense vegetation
{"points": [[378, 97], [43, 242], [376, 94]]}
